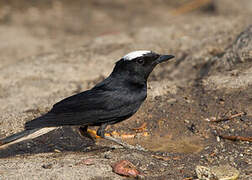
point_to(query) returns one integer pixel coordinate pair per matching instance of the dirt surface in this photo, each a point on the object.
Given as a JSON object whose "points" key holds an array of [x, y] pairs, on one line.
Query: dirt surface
{"points": [[52, 49]]}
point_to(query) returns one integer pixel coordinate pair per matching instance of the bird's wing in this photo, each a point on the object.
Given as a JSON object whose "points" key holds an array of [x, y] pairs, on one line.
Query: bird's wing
{"points": [[91, 107]]}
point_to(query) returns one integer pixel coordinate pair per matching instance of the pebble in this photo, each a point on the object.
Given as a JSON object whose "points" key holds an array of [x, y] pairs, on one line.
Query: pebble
{"points": [[108, 155], [217, 138], [47, 166], [223, 172], [126, 168], [186, 121]]}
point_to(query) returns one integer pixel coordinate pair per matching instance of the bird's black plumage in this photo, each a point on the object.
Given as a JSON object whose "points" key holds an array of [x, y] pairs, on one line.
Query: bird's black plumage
{"points": [[93, 107], [113, 100]]}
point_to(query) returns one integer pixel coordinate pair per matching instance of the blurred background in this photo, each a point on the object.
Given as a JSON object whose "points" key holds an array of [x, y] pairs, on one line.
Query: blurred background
{"points": [[31, 27], [51, 49]]}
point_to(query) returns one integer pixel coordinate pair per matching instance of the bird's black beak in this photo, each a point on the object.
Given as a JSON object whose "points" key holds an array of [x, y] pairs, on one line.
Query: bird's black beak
{"points": [[163, 58]]}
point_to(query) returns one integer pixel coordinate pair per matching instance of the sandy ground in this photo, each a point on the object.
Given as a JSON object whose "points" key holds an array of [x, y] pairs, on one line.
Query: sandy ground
{"points": [[52, 49]]}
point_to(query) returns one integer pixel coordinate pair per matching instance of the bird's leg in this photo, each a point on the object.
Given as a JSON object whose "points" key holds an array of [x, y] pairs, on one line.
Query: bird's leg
{"points": [[101, 132], [83, 132]]}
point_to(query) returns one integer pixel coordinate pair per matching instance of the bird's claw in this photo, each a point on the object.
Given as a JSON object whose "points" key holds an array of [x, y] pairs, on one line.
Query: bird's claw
{"points": [[125, 145]]}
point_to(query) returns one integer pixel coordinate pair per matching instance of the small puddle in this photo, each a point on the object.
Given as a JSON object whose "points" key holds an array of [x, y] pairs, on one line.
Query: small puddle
{"points": [[170, 143]]}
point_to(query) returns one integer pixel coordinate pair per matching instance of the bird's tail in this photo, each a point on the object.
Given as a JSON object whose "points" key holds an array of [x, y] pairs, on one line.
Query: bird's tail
{"points": [[24, 135]]}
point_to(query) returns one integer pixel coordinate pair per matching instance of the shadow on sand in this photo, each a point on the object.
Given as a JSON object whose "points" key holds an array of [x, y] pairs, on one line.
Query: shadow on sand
{"points": [[60, 140]]}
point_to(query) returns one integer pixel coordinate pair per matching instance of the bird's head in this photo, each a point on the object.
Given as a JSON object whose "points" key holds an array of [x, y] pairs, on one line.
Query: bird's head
{"points": [[138, 65]]}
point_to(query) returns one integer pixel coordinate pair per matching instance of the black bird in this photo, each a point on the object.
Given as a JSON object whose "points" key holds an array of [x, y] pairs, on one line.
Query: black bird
{"points": [[113, 100]]}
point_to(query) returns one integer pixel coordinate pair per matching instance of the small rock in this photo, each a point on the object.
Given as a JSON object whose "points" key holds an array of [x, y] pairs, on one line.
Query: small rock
{"points": [[218, 138], [126, 168], [204, 173], [116, 146], [108, 155], [186, 121], [47, 166], [224, 172], [57, 150]]}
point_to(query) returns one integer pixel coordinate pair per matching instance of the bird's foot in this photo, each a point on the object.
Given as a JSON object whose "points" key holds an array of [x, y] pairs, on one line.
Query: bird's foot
{"points": [[125, 145], [85, 133]]}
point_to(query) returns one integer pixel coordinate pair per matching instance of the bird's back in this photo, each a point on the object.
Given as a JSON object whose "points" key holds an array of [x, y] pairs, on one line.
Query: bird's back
{"points": [[110, 101]]}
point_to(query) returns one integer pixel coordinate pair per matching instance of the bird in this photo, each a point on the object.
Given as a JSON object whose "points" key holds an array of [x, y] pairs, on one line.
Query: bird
{"points": [[115, 99]]}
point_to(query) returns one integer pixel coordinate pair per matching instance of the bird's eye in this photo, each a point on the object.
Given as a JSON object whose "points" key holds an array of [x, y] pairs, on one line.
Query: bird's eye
{"points": [[140, 61]]}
